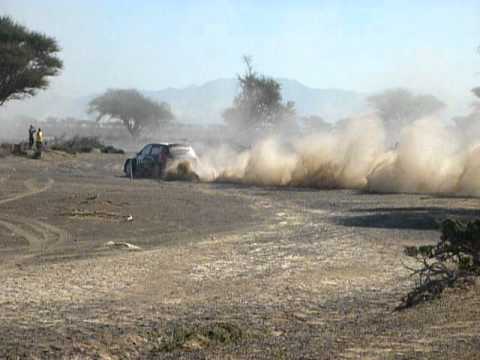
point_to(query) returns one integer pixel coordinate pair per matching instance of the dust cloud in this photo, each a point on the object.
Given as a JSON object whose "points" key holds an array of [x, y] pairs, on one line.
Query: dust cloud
{"points": [[430, 157]]}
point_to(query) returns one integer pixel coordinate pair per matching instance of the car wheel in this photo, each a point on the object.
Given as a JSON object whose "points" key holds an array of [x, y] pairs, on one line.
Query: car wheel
{"points": [[195, 177], [156, 171]]}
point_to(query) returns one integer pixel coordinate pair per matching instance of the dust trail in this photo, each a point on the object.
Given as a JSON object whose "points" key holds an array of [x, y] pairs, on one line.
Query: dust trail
{"points": [[337, 159], [430, 158]]}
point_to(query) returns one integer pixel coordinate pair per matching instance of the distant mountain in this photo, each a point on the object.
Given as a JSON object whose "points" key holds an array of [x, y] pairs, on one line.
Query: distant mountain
{"points": [[199, 104], [206, 102], [331, 104], [203, 103]]}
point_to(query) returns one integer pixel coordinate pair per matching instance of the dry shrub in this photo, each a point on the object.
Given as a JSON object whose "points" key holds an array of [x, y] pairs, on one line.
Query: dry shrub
{"points": [[19, 149], [199, 336], [83, 144], [5, 149], [454, 261]]}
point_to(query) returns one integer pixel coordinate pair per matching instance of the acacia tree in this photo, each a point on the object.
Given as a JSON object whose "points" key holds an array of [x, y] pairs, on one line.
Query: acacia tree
{"points": [[132, 108], [399, 107], [259, 102], [27, 59]]}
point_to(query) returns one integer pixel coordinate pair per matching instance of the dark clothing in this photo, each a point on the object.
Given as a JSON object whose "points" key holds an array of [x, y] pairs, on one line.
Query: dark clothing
{"points": [[31, 134]]}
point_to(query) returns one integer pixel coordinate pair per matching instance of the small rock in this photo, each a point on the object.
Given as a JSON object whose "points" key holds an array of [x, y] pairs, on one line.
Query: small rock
{"points": [[123, 245]]}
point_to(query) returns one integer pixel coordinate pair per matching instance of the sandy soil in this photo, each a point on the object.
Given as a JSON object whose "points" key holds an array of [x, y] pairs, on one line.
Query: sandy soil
{"points": [[224, 271]]}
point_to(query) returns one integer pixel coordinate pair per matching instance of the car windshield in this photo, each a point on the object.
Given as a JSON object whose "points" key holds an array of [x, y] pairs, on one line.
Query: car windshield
{"points": [[145, 150], [156, 150]]}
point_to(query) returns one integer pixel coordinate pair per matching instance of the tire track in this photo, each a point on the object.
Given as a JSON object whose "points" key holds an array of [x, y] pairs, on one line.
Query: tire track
{"points": [[39, 235], [9, 173], [32, 189]]}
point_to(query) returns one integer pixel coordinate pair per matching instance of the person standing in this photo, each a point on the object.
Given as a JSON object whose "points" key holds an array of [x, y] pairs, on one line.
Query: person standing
{"points": [[38, 143], [31, 135]]}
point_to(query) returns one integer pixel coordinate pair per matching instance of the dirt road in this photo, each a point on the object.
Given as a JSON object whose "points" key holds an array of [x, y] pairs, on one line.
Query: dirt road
{"points": [[224, 271]]}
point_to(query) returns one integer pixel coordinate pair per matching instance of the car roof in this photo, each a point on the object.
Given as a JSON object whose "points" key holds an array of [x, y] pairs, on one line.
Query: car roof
{"points": [[179, 145], [157, 144], [167, 144]]}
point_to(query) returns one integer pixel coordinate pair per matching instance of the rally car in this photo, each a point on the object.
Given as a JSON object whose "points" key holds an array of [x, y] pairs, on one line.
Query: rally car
{"points": [[160, 160]]}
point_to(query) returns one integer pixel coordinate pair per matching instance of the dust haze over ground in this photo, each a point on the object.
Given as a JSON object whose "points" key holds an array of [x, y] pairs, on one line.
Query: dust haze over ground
{"points": [[430, 157]]}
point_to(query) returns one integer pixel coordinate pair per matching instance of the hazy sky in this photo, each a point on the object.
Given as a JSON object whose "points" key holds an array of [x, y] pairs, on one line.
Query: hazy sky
{"points": [[360, 45]]}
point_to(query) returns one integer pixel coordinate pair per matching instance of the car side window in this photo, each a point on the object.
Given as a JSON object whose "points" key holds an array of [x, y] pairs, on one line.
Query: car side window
{"points": [[156, 150]]}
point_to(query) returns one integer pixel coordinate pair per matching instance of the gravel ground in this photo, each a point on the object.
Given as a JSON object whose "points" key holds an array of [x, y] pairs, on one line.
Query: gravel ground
{"points": [[223, 271]]}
